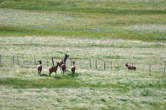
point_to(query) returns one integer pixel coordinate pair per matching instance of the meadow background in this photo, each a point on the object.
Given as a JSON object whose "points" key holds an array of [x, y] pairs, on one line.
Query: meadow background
{"points": [[117, 31]]}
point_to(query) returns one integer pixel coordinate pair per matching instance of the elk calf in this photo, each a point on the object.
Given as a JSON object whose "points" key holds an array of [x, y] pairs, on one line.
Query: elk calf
{"points": [[53, 69], [73, 68], [39, 67], [130, 67]]}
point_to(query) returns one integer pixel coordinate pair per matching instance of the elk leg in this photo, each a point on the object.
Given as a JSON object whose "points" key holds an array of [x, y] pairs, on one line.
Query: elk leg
{"points": [[49, 73]]}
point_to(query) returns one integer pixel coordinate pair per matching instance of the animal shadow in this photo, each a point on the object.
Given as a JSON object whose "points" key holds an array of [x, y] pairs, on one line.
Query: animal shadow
{"points": [[44, 75]]}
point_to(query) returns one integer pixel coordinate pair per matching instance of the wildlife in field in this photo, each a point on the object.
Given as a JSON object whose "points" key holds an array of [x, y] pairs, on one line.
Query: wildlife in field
{"points": [[73, 68], [130, 67], [63, 61], [53, 69], [39, 67], [62, 64]]}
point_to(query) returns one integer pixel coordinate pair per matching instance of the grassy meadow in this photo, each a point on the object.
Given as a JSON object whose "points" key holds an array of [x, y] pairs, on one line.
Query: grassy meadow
{"points": [[117, 32]]}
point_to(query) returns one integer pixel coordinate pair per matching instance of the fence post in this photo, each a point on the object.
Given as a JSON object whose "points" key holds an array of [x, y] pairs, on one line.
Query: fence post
{"points": [[96, 64], [17, 60], [90, 64], [23, 60], [104, 65], [53, 61], [0, 59], [71, 62], [13, 59], [164, 70], [35, 61], [47, 62], [149, 68], [111, 64]]}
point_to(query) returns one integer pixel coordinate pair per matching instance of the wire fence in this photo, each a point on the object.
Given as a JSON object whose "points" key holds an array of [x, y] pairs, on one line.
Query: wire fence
{"points": [[92, 64]]}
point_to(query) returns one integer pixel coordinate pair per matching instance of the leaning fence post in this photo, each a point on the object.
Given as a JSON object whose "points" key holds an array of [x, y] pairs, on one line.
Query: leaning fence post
{"points": [[90, 65], [96, 64], [13, 59], [149, 68], [53, 61], [104, 65]]}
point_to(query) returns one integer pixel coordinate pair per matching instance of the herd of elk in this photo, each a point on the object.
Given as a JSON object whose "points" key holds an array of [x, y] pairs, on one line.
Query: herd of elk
{"points": [[61, 64]]}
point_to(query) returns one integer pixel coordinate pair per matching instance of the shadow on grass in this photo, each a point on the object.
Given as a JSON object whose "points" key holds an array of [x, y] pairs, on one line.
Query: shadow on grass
{"points": [[44, 75]]}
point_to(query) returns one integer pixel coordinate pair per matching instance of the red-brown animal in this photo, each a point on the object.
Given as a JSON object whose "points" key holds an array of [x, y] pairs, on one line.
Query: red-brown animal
{"points": [[73, 68], [63, 67], [63, 61], [130, 67], [39, 67], [53, 69]]}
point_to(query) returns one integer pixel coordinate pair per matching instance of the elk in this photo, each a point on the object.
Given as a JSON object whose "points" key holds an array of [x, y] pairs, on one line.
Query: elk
{"points": [[63, 61], [73, 68], [53, 69], [130, 67], [63, 67], [39, 67]]}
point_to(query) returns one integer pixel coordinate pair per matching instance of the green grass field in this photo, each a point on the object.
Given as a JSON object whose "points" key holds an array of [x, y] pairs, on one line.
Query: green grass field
{"points": [[117, 32]]}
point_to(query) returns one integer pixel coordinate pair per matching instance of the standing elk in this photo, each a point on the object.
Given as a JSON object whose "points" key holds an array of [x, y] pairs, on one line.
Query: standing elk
{"points": [[73, 68], [39, 67], [63, 67], [130, 67], [53, 69], [63, 61]]}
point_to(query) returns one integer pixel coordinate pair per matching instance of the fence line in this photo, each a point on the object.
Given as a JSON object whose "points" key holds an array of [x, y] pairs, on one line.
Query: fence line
{"points": [[94, 64]]}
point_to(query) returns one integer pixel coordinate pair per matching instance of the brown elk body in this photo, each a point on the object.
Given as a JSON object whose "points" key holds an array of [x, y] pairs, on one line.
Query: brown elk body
{"points": [[73, 68], [53, 69], [130, 67], [39, 67], [63, 61], [63, 67]]}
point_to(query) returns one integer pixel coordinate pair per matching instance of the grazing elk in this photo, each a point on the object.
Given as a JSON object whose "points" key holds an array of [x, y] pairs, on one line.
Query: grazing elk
{"points": [[53, 69], [130, 67], [73, 68], [39, 67], [63, 61]]}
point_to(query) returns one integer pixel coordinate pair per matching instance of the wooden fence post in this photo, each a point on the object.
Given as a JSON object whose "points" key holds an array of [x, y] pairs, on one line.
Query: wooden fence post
{"points": [[23, 59], [96, 64], [53, 61], [47, 62], [90, 65], [104, 65], [111, 64], [149, 68], [0, 59], [13, 59], [35, 61], [164, 70], [71, 62], [17, 60]]}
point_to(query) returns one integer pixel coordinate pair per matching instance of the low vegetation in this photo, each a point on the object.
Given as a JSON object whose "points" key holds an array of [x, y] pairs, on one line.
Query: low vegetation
{"points": [[104, 31]]}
